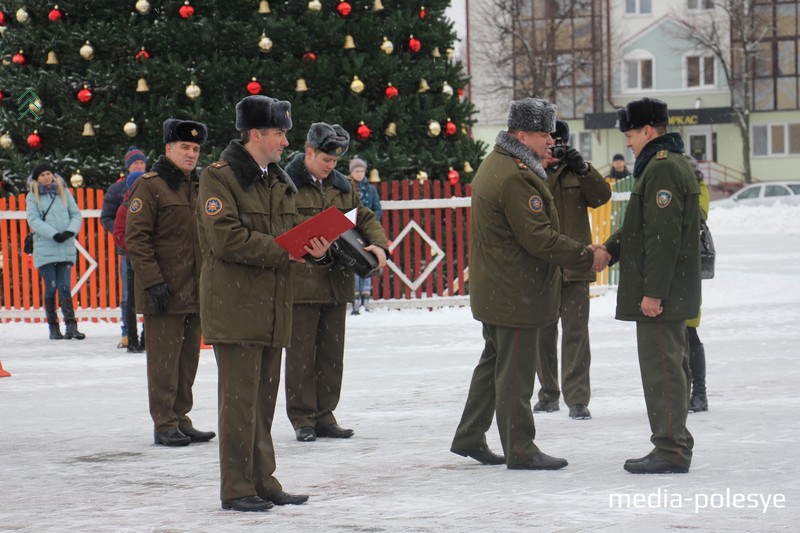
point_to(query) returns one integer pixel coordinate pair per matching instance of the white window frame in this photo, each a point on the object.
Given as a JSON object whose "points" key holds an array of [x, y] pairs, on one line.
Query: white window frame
{"points": [[638, 56], [701, 59], [637, 10], [767, 130]]}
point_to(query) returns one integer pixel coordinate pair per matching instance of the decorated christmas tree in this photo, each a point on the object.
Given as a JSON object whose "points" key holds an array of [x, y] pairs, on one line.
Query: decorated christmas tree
{"points": [[82, 80]]}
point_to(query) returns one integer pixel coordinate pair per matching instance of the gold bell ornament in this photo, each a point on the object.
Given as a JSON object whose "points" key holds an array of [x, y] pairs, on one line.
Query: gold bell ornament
{"points": [[52, 58], [374, 176], [436, 53], [377, 6], [349, 43], [468, 168], [301, 86], [423, 86], [391, 130], [141, 86], [76, 180], [88, 130], [263, 8]]}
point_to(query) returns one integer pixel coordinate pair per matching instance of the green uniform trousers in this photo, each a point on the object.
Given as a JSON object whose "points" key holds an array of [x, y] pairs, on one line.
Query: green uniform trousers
{"points": [[502, 383], [173, 352], [665, 378], [576, 357], [315, 364], [247, 390]]}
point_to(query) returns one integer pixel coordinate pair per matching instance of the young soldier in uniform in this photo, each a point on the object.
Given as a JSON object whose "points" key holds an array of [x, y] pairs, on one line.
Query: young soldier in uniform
{"points": [[515, 257], [576, 186], [162, 245], [245, 201], [314, 361], [658, 248]]}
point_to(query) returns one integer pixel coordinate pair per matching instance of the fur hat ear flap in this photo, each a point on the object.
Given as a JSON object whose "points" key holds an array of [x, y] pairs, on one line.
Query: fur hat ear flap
{"points": [[532, 114], [622, 120]]}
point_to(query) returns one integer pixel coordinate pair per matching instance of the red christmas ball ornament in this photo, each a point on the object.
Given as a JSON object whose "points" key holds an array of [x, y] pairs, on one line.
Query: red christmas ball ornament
{"points": [[363, 132], [85, 95], [450, 128], [3, 18], [55, 14], [413, 44], [142, 54], [19, 59], [452, 176], [460, 92], [34, 141], [186, 10], [309, 57], [254, 87], [344, 8], [422, 13], [391, 91], [1, 97]]}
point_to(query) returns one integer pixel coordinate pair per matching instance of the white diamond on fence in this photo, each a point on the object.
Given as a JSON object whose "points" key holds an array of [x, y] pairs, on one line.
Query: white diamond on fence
{"points": [[88, 273], [438, 255]]}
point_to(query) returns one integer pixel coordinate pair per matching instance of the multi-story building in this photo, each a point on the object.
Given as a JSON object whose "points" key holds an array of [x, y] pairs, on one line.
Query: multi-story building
{"points": [[593, 56]]}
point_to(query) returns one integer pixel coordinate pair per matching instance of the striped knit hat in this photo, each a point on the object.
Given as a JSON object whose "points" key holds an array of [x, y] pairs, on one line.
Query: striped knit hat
{"points": [[134, 154]]}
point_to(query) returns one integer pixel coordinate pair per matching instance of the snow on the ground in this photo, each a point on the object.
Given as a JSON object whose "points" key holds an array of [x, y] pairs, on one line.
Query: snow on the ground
{"points": [[76, 449]]}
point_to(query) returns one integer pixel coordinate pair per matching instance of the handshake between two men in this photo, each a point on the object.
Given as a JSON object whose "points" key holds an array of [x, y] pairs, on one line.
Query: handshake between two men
{"points": [[601, 257]]}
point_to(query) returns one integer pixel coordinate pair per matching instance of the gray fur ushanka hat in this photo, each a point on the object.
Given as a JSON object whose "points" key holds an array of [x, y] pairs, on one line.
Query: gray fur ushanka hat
{"points": [[329, 138], [532, 114]]}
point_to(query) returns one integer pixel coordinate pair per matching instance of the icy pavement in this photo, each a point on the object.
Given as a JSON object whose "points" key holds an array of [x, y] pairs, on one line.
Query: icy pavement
{"points": [[77, 451]]}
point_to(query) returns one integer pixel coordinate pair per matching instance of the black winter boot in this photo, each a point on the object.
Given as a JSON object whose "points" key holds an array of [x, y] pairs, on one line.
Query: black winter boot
{"points": [[697, 361], [69, 319], [365, 301], [72, 331], [52, 318]]}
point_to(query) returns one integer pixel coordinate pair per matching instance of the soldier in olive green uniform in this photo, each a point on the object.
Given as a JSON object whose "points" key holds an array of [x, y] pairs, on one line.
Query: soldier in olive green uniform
{"points": [[245, 201], [658, 248], [516, 255], [315, 359], [162, 245], [576, 186]]}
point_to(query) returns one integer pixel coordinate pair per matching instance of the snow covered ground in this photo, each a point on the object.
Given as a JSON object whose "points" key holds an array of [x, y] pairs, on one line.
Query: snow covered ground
{"points": [[76, 449]]}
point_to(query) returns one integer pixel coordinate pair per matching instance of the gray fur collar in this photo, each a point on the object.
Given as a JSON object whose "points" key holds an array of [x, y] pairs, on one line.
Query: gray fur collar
{"points": [[520, 151]]}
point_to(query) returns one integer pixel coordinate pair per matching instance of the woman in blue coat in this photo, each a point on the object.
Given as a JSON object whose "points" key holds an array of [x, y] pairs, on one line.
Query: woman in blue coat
{"points": [[54, 218]]}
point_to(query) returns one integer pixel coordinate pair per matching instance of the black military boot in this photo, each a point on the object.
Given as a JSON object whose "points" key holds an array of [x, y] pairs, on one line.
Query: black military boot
{"points": [[69, 319], [697, 361], [52, 318]]}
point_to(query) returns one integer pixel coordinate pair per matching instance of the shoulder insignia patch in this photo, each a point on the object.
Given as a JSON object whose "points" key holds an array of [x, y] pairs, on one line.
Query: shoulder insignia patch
{"points": [[219, 164], [536, 203], [213, 206], [662, 154], [136, 205], [520, 164], [149, 175], [663, 198]]}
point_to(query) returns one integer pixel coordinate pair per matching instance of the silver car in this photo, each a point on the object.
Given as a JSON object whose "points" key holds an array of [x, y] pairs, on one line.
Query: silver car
{"points": [[785, 192]]}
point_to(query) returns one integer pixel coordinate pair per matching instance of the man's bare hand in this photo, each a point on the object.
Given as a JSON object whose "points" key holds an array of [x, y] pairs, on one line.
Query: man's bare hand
{"points": [[601, 257], [651, 306], [379, 253], [318, 247]]}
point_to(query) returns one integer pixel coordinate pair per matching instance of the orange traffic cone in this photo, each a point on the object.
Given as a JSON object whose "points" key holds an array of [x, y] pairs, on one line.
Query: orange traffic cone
{"points": [[4, 373]]}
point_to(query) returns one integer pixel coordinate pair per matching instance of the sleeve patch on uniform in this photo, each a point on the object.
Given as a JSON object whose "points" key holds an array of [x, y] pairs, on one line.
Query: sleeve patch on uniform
{"points": [[663, 198], [136, 205], [213, 206], [535, 203]]}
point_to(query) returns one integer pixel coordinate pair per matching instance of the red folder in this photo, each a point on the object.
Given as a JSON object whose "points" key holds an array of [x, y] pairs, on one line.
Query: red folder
{"points": [[329, 224]]}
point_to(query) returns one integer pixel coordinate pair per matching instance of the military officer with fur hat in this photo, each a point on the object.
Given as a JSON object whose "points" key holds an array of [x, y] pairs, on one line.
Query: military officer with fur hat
{"points": [[314, 361], [658, 248], [516, 254], [245, 201], [162, 245]]}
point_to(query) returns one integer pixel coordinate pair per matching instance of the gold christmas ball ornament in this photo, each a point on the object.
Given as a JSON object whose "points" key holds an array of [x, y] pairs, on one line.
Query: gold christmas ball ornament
{"points": [[447, 89], [22, 16], [193, 91], [88, 130], [263, 8], [5, 141], [422, 175], [52, 58], [357, 86], [386, 46], [315, 5], [37, 107], [434, 128], [130, 128], [143, 7], [264, 43], [76, 180], [141, 86], [87, 51]]}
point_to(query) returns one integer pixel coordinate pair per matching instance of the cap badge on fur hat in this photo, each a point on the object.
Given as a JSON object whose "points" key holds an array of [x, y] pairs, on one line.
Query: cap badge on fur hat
{"points": [[532, 114], [329, 138], [176, 130]]}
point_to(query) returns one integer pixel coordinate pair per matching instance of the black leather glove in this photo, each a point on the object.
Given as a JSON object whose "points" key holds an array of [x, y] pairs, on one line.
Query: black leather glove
{"points": [[574, 160], [159, 297], [59, 237], [67, 234]]}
